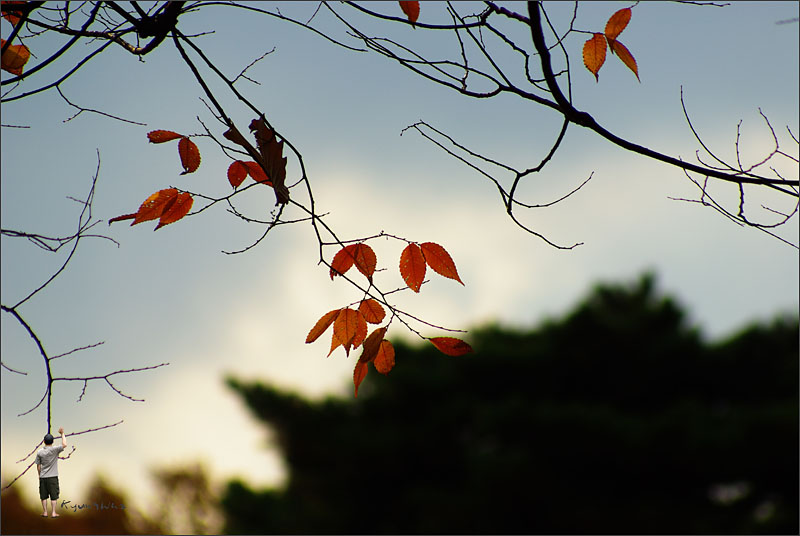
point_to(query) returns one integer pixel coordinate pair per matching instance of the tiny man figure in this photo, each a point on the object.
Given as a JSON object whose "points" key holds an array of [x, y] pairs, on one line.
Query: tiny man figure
{"points": [[47, 466]]}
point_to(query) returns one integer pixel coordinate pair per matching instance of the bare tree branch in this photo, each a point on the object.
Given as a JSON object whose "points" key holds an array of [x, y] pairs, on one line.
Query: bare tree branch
{"points": [[40, 444]]}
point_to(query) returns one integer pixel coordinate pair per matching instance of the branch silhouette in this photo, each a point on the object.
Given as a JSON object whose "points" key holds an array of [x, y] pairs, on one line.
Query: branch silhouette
{"points": [[54, 244], [496, 51]]}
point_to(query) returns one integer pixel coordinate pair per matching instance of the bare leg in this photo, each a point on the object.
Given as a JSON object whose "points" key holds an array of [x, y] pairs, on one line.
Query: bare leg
{"points": [[44, 507], [53, 508]]}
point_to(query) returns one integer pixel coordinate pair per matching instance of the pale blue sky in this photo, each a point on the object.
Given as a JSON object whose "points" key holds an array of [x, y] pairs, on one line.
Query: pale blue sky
{"points": [[171, 296]]}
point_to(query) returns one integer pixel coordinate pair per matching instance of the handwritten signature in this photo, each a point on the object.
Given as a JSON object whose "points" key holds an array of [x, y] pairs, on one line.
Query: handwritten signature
{"points": [[96, 506]]}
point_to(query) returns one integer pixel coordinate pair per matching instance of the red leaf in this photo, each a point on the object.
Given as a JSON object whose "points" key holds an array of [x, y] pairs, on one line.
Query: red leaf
{"points": [[237, 173], [372, 344], [359, 373], [257, 173], [372, 311], [343, 260], [359, 254], [594, 54], [161, 136], [412, 266], [176, 210], [624, 54], [441, 262], [365, 260], [322, 325], [384, 360], [411, 9], [617, 22], [451, 345], [190, 155], [14, 58], [155, 205]]}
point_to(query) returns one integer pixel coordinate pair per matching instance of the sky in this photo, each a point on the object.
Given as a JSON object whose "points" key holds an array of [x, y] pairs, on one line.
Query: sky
{"points": [[174, 297]]}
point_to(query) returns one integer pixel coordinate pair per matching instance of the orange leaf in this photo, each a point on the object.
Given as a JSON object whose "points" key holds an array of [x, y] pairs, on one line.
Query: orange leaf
{"points": [[361, 330], [335, 342], [344, 328], [14, 58], [411, 9], [372, 344], [384, 361], [451, 345], [359, 373], [624, 54], [349, 329], [365, 260], [617, 22], [322, 325], [123, 217], [343, 260], [155, 205], [160, 136], [438, 259], [237, 173], [190, 155], [176, 210], [12, 16], [594, 54], [372, 311], [412, 266], [257, 173]]}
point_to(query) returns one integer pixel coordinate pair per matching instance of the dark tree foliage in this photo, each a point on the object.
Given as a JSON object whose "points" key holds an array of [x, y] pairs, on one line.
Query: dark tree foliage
{"points": [[618, 418], [104, 510], [187, 504]]}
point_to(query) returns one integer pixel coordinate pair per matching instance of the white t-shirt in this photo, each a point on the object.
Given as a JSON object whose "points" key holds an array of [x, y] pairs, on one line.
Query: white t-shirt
{"points": [[47, 457]]}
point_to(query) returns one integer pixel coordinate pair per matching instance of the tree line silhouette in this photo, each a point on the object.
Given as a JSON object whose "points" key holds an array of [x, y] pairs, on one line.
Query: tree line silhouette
{"points": [[617, 418]]}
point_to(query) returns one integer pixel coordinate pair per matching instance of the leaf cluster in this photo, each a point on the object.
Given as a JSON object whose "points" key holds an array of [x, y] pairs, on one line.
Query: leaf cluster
{"points": [[350, 325], [594, 50]]}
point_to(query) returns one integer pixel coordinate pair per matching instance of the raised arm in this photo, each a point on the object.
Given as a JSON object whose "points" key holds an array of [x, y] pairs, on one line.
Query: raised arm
{"points": [[63, 438]]}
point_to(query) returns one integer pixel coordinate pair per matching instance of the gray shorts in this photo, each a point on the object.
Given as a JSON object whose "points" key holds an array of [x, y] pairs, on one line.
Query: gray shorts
{"points": [[48, 486]]}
